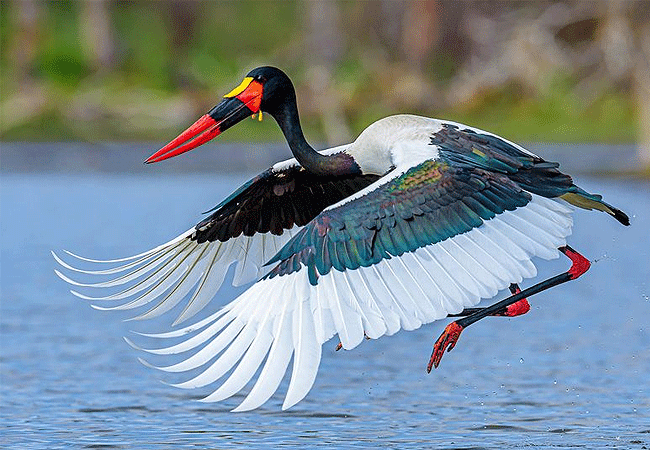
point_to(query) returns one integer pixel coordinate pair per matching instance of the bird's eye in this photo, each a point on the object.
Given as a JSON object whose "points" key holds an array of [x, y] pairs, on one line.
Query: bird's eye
{"points": [[259, 78]]}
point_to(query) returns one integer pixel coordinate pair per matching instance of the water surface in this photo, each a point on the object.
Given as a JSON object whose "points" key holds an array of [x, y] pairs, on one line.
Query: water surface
{"points": [[574, 372]]}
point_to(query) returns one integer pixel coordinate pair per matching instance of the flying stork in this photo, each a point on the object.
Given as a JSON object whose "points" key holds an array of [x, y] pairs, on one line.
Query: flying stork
{"points": [[416, 220]]}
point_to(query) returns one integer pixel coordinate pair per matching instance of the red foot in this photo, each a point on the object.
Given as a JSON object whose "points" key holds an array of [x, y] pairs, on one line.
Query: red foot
{"points": [[447, 340], [580, 263]]}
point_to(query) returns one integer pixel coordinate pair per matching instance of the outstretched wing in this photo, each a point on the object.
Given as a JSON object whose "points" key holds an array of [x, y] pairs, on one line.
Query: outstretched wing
{"points": [[467, 147], [246, 229], [275, 201], [411, 248]]}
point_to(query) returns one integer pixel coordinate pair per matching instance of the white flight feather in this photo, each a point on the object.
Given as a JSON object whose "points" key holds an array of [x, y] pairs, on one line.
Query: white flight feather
{"points": [[276, 362], [153, 265], [283, 316], [157, 290], [463, 274], [407, 300], [218, 344], [233, 351], [380, 318], [349, 331], [206, 289], [431, 299], [247, 367], [111, 271], [407, 319], [391, 320], [174, 270], [194, 269], [177, 239], [371, 318], [179, 265], [307, 355], [190, 328]]}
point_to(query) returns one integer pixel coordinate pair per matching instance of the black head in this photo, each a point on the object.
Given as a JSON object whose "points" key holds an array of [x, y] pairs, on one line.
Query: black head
{"points": [[277, 88], [266, 89]]}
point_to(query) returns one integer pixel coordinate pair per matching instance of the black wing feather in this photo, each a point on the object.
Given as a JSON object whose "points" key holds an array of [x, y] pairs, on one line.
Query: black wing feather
{"points": [[275, 201]]}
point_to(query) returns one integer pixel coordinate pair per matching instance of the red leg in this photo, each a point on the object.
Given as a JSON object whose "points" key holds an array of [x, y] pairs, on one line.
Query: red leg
{"points": [[579, 265], [516, 309], [513, 305]]}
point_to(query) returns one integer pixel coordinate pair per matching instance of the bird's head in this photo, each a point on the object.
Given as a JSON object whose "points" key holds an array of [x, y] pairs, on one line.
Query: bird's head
{"points": [[264, 89]]}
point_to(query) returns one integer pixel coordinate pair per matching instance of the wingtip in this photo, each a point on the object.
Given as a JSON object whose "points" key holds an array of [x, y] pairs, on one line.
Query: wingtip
{"points": [[134, 319], [286, 405], [239, 409], [621, 216], [133, 345], [145, 363], [60, 275], [99, 308]]}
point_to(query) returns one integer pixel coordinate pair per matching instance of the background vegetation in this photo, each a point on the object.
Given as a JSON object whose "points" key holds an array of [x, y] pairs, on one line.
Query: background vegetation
{"points": [[562, 71]]}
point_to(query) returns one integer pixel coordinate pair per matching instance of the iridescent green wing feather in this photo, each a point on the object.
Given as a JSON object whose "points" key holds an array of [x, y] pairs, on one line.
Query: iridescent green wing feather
{"points": [[427, 204]]}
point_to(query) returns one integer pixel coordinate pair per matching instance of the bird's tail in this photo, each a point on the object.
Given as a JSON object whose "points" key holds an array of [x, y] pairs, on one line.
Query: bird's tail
{"points": [[582, 199]]}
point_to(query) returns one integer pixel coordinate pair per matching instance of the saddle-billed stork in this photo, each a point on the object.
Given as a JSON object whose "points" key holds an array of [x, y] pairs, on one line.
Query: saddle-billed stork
{"points": [[416, 220]]}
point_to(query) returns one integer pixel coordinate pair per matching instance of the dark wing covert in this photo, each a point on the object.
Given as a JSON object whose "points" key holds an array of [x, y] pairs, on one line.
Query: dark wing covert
{"points": [[275, 201]]}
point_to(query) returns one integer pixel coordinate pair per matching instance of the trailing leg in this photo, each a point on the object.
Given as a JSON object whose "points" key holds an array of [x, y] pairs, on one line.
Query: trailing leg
{"points": [[516, 309], [450, 335]]}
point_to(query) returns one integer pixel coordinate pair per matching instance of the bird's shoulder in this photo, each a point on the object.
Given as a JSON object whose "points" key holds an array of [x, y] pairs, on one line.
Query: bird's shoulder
{"points": [[406, 140]]}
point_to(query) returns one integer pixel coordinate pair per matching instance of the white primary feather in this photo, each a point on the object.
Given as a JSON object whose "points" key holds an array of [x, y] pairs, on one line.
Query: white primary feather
{"points": [[171, 272], [283, 316], [307, 354]]}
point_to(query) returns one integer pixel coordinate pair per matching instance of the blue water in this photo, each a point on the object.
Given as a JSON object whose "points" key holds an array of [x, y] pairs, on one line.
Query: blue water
{"points": [[574, 372]]}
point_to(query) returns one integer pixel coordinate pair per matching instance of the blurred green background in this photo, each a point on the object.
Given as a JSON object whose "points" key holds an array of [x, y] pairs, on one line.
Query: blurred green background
{"points": [[550, 71]]}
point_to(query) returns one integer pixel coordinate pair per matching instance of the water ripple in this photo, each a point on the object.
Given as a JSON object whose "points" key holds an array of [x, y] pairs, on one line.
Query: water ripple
{"points": [[69, 381]]}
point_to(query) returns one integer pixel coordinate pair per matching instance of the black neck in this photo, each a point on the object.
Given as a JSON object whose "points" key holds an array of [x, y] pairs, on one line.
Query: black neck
{"points": [[310, 159]]}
